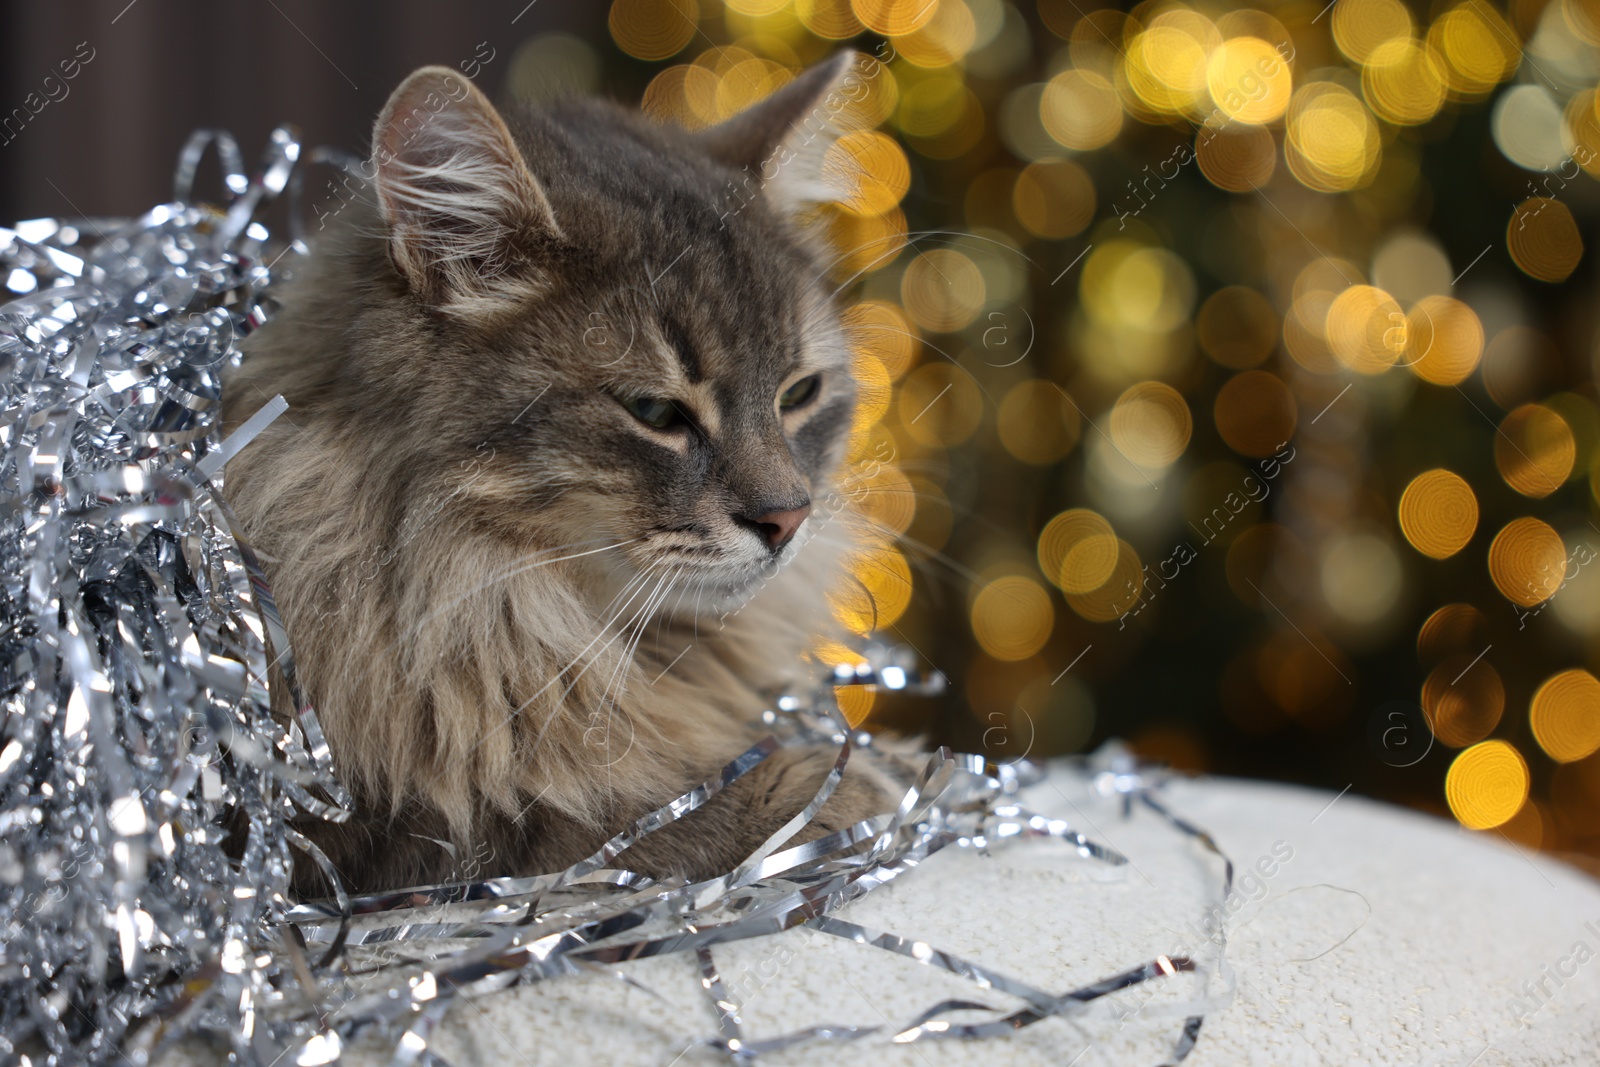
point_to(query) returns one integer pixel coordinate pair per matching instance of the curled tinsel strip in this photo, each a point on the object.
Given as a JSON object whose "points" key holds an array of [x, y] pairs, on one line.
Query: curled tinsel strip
{"points": [[146, 792]]}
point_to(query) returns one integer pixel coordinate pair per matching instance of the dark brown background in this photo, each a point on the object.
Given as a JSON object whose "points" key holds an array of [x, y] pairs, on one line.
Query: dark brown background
{"points": [[163, 68]]}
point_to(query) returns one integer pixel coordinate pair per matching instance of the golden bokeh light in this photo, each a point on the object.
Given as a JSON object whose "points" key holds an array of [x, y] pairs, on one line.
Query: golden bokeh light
{"points": [[940, 116], [886, 498], [894, 18], [1150, 424], [746, 82], [1054, 199], [653, 29], [1477, 48], [1438, 513], [1037, 423], [1237, 159], [1582, 126], [942, 290], [1534, 450], [872, 167], [1118, 594], [1096, 40], [944, 39], [1543, 239], [1127, 284], [863, 243], [855, 701], [1361, 26], [1464, 699], [1249, 81], [1255, 413], [874, 388], [1487, 784], [1237, 327], [1444, 340], [828, 19], [1403, 82], [1064, 540], [939, 404], [756, 8], [1012, 617], [1453, 628], [1165, 68], [667, 97], [881, 329], [879, 593], [1529, 827], [1565, 715], [1080, 110], [1366, 329], [1333, 143], [1316, 287], [1527, 561]]}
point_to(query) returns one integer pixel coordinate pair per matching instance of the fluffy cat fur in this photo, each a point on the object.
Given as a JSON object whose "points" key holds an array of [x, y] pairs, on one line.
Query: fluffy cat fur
{"points": [[525, 615]]}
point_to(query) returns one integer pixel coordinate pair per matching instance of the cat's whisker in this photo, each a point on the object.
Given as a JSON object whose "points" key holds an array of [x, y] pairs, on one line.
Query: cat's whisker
{"points": [[638, 614], [521, 566]]}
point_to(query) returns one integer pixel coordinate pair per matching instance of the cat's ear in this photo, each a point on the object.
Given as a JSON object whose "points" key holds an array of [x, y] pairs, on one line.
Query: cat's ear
{"points": [[464, 214], [783, 141]]}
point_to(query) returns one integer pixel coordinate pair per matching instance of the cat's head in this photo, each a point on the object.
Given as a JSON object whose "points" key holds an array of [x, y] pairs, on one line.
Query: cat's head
{"points": [[611, 332]]}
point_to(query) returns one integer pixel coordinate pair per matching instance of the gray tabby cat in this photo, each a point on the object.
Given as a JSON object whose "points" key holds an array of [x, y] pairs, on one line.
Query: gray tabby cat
{"points": [[539, 516]]}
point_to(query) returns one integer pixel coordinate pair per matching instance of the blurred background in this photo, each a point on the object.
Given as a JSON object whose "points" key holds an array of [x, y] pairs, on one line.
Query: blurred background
{"points": [[1229, 371]]}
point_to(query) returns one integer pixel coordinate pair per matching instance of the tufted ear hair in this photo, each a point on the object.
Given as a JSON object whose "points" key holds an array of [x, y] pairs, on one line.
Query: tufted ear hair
{"points": [[465, 217], [782, 142]]}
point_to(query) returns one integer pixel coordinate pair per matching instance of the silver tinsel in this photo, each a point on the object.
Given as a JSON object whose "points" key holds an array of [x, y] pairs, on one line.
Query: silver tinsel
{"points": [[146, 791]]}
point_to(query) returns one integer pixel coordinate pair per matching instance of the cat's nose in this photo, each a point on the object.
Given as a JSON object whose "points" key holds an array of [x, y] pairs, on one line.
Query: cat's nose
{"points": [[780, 526]]}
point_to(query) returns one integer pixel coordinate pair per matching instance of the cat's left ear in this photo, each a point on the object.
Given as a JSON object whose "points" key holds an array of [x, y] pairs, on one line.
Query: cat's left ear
{"points": [[782, 142], [465, 216]]}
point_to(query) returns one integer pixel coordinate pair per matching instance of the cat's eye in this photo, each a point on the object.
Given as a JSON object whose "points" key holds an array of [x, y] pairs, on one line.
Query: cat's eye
{"points": [[653, 411], [800, 392]]}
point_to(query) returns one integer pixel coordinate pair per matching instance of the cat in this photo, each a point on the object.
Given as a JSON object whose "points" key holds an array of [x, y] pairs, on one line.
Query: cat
{"points": [[545, 517]]}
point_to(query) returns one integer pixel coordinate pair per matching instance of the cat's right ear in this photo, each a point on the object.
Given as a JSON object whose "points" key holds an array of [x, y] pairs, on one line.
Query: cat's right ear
{"points": [[465, 216]]}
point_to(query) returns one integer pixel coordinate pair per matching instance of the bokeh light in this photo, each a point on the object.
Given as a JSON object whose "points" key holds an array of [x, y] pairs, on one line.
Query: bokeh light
{"points": [[1361, 27], [1438, 513], [1534, 450], [1565, 715], [653, 29], [1487, 785], [1333, 143], [943, 290], [1444, 340], [1255, 413], [1526, 561], [1037, 423], [1079, 108], [1452, 628], [1012, 617], [1464, 699], [1150, 424], [1054, 199], [1078, 550], [1543, 239]]}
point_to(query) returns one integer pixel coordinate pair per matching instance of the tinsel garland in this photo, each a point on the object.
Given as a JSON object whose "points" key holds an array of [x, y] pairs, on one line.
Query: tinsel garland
{"points": [[146, 792]]}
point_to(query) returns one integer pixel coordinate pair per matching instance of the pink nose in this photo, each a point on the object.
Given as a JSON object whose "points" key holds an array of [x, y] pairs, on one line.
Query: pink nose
{"points": [[779, 527]]}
